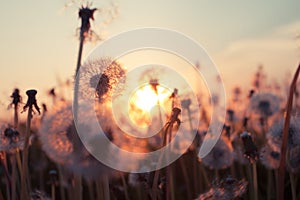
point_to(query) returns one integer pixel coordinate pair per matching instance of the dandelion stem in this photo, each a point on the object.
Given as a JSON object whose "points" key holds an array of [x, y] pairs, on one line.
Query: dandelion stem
{"points": [[293, 186], [14, 177], [269, 185], [281, 170], [78, 187], [53, 191], [8, 180], [61, 180], [24, 176], [186, 177], [255, 186], [90, 189], [125, 187], [106, 188], [16, 117], [76, 87], [19, 163], [103, 188]]}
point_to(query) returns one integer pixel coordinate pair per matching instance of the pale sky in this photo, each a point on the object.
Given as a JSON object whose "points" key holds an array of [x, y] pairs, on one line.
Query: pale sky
{"points": [[38, 42]]}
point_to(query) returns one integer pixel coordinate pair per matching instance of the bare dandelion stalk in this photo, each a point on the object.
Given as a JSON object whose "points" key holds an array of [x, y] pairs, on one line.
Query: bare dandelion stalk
{"points": [[281, 170], [186, 105], [166, 138], [154, 83], [255, 186], [85, 13], [252, 155], [61, 179], [125, 187], [293, 186], [8, 180], [103, 188], [16, 100], [53, 180], [25, 176]]}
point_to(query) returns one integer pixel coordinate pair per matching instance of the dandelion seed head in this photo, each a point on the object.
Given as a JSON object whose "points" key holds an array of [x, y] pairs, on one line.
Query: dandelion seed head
{"points": [[16, 97], [293, 163], [220, 157], [62, 144], [269, 157], [186, 103], [275, 133], [265, 104], [101, 79], [227, 189], [11, 140], [39, 195], [53, 134], [250, 148]]}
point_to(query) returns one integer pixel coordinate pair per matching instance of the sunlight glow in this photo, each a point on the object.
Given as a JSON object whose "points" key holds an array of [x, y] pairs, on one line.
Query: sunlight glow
{"points": [[144, 100]]}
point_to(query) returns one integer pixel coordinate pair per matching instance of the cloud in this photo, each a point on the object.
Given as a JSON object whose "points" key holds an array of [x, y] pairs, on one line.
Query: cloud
{"points": [[278, 51]]}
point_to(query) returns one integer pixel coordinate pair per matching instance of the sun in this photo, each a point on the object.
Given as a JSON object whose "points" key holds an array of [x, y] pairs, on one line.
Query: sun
{"points": [[144, 99]]}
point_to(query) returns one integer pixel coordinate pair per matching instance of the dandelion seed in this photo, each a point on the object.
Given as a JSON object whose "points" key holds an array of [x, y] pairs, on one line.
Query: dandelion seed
{"points": [[61, 143], [11, 140], [275, 134], [53, 177], [220, 157], [250, 148], [101, 79], [236, 94], [53, 135], [52, 92], [269, 157], [186, 103], [39, 195], [230, 114], [16, 97], [31, 101], [227, 189], [86, 14], [265, 104], [239, 155], [251, 93], [173, 97], [293, 163]]}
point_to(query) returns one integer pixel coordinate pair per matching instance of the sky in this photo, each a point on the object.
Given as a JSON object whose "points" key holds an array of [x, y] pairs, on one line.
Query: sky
{"points": [[39, 44]]}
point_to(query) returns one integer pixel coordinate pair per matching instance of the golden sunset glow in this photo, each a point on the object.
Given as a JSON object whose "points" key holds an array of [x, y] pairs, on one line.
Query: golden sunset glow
{"points": [[144, 100]]}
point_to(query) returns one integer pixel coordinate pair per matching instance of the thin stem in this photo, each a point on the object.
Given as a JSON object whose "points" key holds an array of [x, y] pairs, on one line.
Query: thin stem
{"points": [[157, 172], [61, 180], [186, 178], [190, 119], [90, 189], [293, 186], [105, 183], [170, 178], [53, 191], [102, 186], [125, 187], [281, 171], [24, 176], [19, 163], [78, 187], [76, 87], [16, 117], [8, 180], [255, 186], [269, 185], [14, 177], [99, 190]]}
